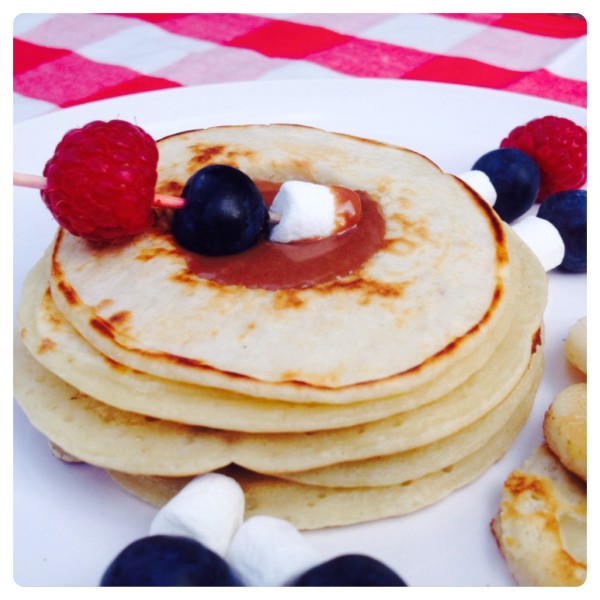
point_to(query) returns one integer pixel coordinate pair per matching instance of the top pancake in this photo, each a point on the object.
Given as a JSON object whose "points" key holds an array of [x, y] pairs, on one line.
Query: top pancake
{"points": [[426, 299]]}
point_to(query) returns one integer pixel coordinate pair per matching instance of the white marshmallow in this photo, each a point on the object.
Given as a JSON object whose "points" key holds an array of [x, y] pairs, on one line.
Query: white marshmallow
{"points": [[543, 239], [209, 509], [267, 551], [480, 183], [305, 210]]}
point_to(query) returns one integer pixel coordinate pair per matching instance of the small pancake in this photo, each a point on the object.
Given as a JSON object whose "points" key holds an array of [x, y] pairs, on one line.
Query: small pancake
{"points": [[576, 345], [565, 428], [541, 526]]}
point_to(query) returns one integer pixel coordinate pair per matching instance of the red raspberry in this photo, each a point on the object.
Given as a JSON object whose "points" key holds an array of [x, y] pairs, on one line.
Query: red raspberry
{"points": [[558, 146], [101, 181]]}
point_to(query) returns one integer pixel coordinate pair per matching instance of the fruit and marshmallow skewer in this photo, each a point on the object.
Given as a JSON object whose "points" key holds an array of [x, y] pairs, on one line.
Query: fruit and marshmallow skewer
{"points": [[100, 185]]}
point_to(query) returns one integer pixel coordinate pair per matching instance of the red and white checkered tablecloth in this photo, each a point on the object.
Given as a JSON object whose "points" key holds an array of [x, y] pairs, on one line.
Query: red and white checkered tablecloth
{"points": [[62, 60]]}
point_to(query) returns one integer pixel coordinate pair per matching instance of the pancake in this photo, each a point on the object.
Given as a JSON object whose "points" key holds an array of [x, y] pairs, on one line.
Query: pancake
{"points": [[445, 253], [53, 342], [565, 428], [541, 526]]}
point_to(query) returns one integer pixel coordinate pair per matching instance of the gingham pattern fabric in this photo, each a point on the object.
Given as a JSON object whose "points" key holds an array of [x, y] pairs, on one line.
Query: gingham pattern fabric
{"points": [[61, 60]]}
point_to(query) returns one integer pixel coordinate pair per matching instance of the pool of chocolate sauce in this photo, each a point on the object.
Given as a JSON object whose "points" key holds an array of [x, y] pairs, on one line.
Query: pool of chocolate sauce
{"points": [[296, 265]]}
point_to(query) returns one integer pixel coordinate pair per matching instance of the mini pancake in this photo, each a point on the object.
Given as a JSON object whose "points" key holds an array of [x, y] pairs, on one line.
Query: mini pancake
{"points": [[541, 526], [565, 428], [445, 253]]}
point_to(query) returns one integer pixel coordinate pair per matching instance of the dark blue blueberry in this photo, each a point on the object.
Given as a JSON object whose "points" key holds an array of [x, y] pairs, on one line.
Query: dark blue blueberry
{"points": [[516, 179], [167, 561], [350, 570], [567, 211], [224, 212]]}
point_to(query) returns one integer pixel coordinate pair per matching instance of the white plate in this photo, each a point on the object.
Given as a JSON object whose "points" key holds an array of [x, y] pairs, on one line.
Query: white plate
{"points": [[70, 520]]}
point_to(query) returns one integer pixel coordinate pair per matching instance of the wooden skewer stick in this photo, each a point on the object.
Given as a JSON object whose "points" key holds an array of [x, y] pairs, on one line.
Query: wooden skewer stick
{"points": [[30, 181], [39, 182]]}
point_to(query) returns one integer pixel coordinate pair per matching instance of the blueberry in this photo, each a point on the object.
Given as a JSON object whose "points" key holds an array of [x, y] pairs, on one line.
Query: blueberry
{"points": [[516, 179], [567, 211], [350, 570], [165, 560], [224, 212]]}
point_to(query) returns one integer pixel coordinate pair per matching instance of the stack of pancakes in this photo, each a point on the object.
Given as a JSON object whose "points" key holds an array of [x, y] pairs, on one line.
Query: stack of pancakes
{"points": [[371, 395]]}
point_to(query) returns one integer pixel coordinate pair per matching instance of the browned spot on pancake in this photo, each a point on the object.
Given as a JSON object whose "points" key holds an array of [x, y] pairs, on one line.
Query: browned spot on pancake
{"points": [[203, 155], [77, 396], [367, 289], [286, 299], [102, 327], [417, 232], [68, 293], [182, 360], [186, 277], [51, 319], [519, 484], [46, 345], [65, 289], [147, 254], [536, 340], [119, 318], [383, 186], [170, 188], [115, 365], [289, 375], [54, 266]]}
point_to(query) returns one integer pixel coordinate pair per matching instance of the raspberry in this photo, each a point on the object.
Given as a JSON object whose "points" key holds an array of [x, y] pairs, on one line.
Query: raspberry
{"points": [[101, 181], [558, 146]]}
